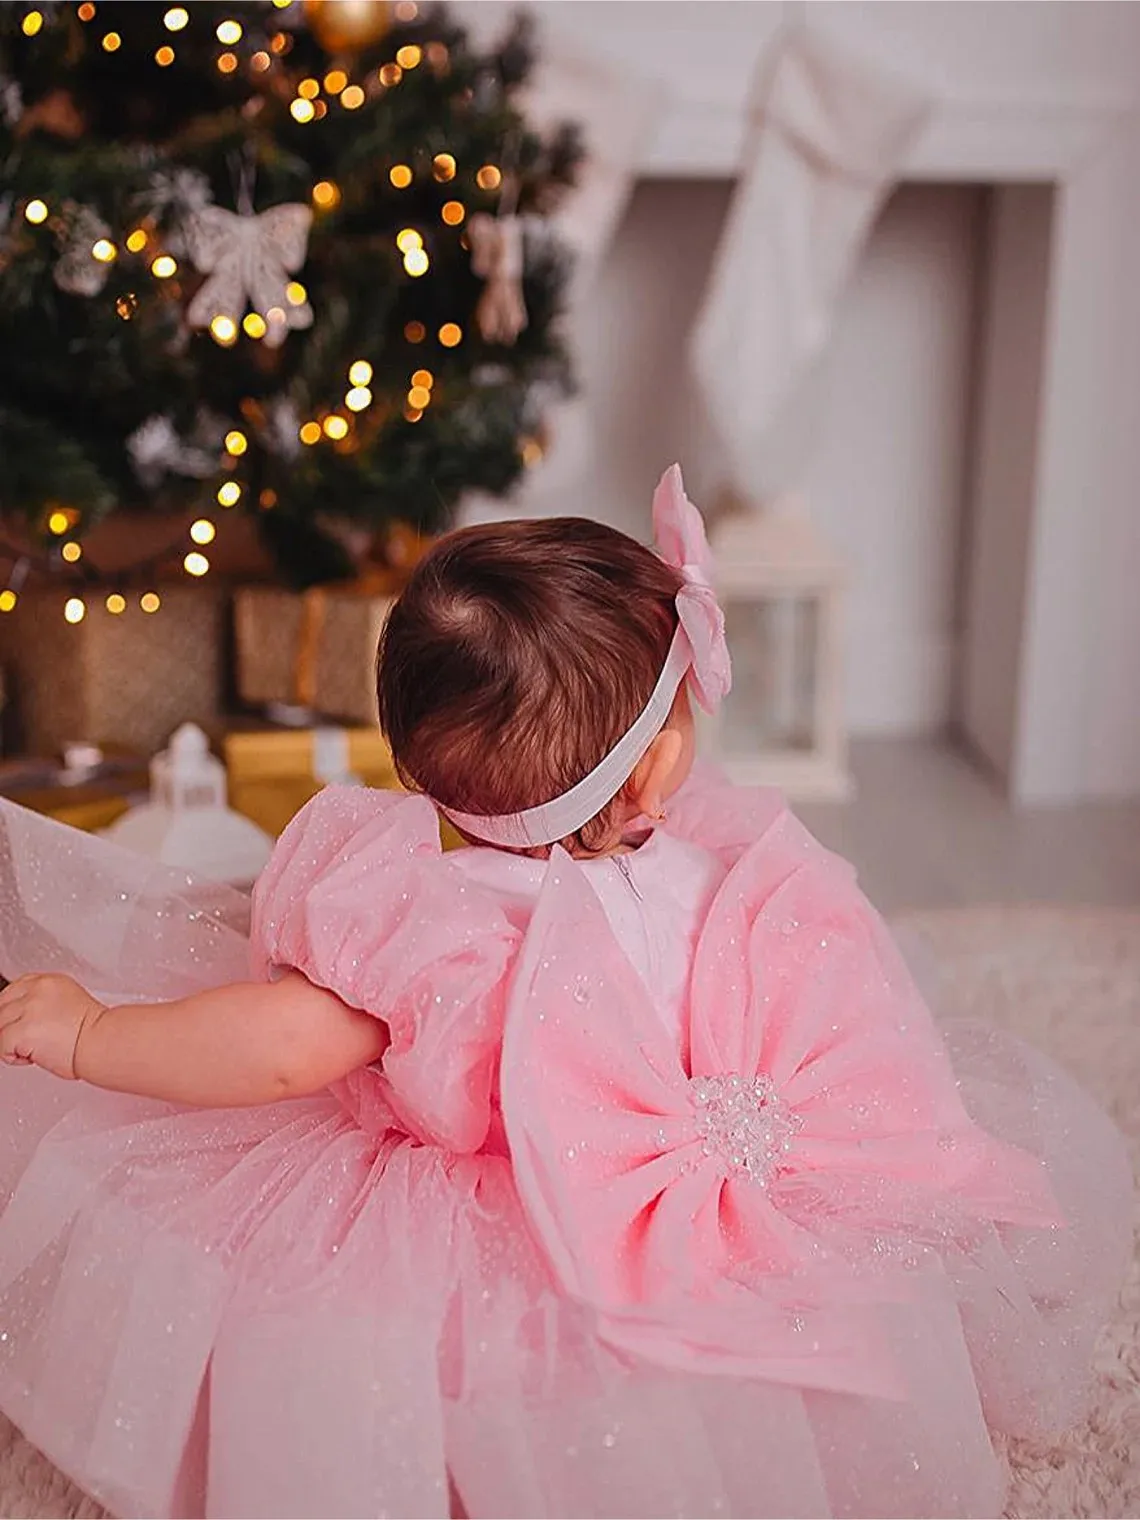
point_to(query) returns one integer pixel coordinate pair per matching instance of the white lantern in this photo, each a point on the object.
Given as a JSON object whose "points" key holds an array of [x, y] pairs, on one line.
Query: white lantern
{"points": [[781, 586], [187, 822]]}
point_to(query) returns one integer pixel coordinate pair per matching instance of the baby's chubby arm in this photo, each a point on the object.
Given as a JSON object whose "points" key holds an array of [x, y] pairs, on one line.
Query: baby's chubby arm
{"points": [[233, 1046]]}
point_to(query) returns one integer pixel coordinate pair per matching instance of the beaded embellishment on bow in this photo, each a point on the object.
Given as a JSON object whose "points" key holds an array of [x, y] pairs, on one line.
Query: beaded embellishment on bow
{"points": [[745, 1122]]}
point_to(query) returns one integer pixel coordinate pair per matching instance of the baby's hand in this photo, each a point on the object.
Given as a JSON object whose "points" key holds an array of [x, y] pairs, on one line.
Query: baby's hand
{"points": [[41, 1019]]}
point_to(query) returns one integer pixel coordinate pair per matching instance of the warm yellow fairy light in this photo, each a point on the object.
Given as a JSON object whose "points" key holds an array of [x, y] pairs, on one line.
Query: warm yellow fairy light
{"points": [[116, 603], [423, 377], [75, 609], [72, 552], [335, 81], [437, 55], [453, 212], [236, 443], [391, 74], [408, 57], [112, 42], [86, 11], [418, 397], [295, 293], [310, 432], [320, 110], [360, 372], [275, 316], [176, 19], [301, 110], [408, 238], [260, 62], [407, 10], [400, 176], [416, 262], [164, 57], [203, 531], [443, 167], [451, 334], [32, 23], [163, 267], [489, 178], [104, 251], [136, 240], [36, 212], [282, 5], [254, 325], [326, 195], [127, 305], [59, 522], [352, 98], [228, 32], [309, 89], [8, 600], [227, 63], [358, 398], [229, 493], [150, 601], [223, 330], [530, 452], [336, 427], [195, 563], [279, 42], [415, 332], [411, 414], [268, 498]]}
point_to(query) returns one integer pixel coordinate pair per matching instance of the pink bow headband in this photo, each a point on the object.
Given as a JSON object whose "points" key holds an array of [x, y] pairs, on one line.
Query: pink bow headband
{"points": [[698, 651]]}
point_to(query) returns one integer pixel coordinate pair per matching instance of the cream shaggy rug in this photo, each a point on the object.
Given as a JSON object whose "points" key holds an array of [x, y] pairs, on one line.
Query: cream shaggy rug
{"points": [[1067, 980]]}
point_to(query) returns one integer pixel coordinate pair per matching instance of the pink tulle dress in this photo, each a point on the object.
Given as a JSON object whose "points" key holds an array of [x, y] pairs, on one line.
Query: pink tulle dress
{"points": [[668, 1197]]}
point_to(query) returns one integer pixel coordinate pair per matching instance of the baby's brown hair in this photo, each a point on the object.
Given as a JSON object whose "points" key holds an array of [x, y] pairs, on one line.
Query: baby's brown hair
{"points": [[515, 659]]}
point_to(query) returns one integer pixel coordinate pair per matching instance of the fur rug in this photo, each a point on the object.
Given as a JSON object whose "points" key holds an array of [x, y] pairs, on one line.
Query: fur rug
{"points": [[1067, 980]]}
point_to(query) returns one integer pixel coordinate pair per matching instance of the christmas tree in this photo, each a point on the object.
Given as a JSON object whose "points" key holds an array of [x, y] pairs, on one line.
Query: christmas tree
{"points": [[288, 259]]}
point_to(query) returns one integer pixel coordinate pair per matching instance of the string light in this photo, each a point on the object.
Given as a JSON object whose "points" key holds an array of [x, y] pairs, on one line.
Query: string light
{"points": [[391, 74], [443, 167], [164, 57], [203, 531], [309, 89], [112, 42], [352, 98], [335, 81], [451, 334], [302, 110], [415, 332], [320, 109], [127, 305], [116, 603], [163, 267], [136, 240], [358, 398], [416, 262], [411, 414], [530, 452], [418, 397], [408, 57], [36, 212], [326, 195], [275, 316], [59, 522], [489, 178], [176, 18], [453, 212], [310, 432], [336, 427], [437, 55], [424, 377], [268, 498], [228, 32], [72, 552], [407, 10], [408, 238], [282, 5], [104, 250], [255, 324], [295, 293], [150, 601], [400, 176], [227, 63], [360, 372], [229, 493], [260, 62], [32, 23], [75, 609], [8, 600], [279, 43], [236, 443], [195, 563], [86, 11], [223, 330]]}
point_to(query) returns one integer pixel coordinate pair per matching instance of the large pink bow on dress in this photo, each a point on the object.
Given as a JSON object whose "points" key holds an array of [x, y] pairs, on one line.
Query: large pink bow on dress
{"points": [[679, 533], [749, 1202]]}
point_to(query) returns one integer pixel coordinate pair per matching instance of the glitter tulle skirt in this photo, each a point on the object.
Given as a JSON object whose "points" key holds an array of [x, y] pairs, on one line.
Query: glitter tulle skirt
{"points": [[275, 1312]]}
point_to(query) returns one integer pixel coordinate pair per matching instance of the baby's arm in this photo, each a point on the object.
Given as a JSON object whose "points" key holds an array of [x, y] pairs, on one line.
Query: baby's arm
{"points": [[243, 1044]]}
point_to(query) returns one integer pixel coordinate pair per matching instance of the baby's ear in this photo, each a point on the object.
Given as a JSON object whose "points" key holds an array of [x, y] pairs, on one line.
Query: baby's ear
{"points": [[651, 775]]}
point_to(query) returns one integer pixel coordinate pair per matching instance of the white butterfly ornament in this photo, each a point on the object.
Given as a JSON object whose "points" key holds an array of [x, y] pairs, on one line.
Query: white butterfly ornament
{"points": [[248, 261]]}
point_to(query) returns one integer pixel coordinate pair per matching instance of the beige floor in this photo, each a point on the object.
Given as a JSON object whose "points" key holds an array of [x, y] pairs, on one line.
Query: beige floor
{"points": [[927, 829]]}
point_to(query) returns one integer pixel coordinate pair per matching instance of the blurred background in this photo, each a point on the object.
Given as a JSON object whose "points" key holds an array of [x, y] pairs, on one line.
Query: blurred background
{"points": [[865, 269]]}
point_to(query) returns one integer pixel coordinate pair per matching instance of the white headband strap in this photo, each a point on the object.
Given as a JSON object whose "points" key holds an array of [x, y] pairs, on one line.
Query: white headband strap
{"points": [[565, 815]]}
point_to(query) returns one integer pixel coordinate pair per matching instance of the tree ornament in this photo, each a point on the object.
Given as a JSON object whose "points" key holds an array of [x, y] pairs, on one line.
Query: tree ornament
{"points": [[78, 271], [157, 450], [347, 25], [247, 261], [497, 258]]}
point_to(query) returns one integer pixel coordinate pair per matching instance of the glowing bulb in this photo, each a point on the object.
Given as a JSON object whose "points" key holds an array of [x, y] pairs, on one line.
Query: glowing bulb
{"points": [[127, 305], [136, 241], [31, 23], [443, 167], [400, 176], [408, 57], [86, 11], [489, 178], [360, 372], [309, 89], [176, 19], [301, 110], [163, 267], [8, 600], [72, 552], [227, 63], [150, 601], [335, 81], [275, 316], [260, 62], [164, 57], [267, 500], [310, 432], [416, 262], [295, 293], [112, 42], [352, 98], [116, 603], [411, 414], [255, 325], [415, 332], [530, 452], [223, 330], [228, 32], [453, 212], [282, 5], [423, 377], [75, 609], [391, 74], [203, 531], [358, 398], [451, 334], [407, 239], [36, 212], [320, 110], [326, 195], [104, 251], [195, 563], [236, 443], [407, 10], [418, 397], [336, 427], [279, 42], [59, 522], [229, 493]]}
